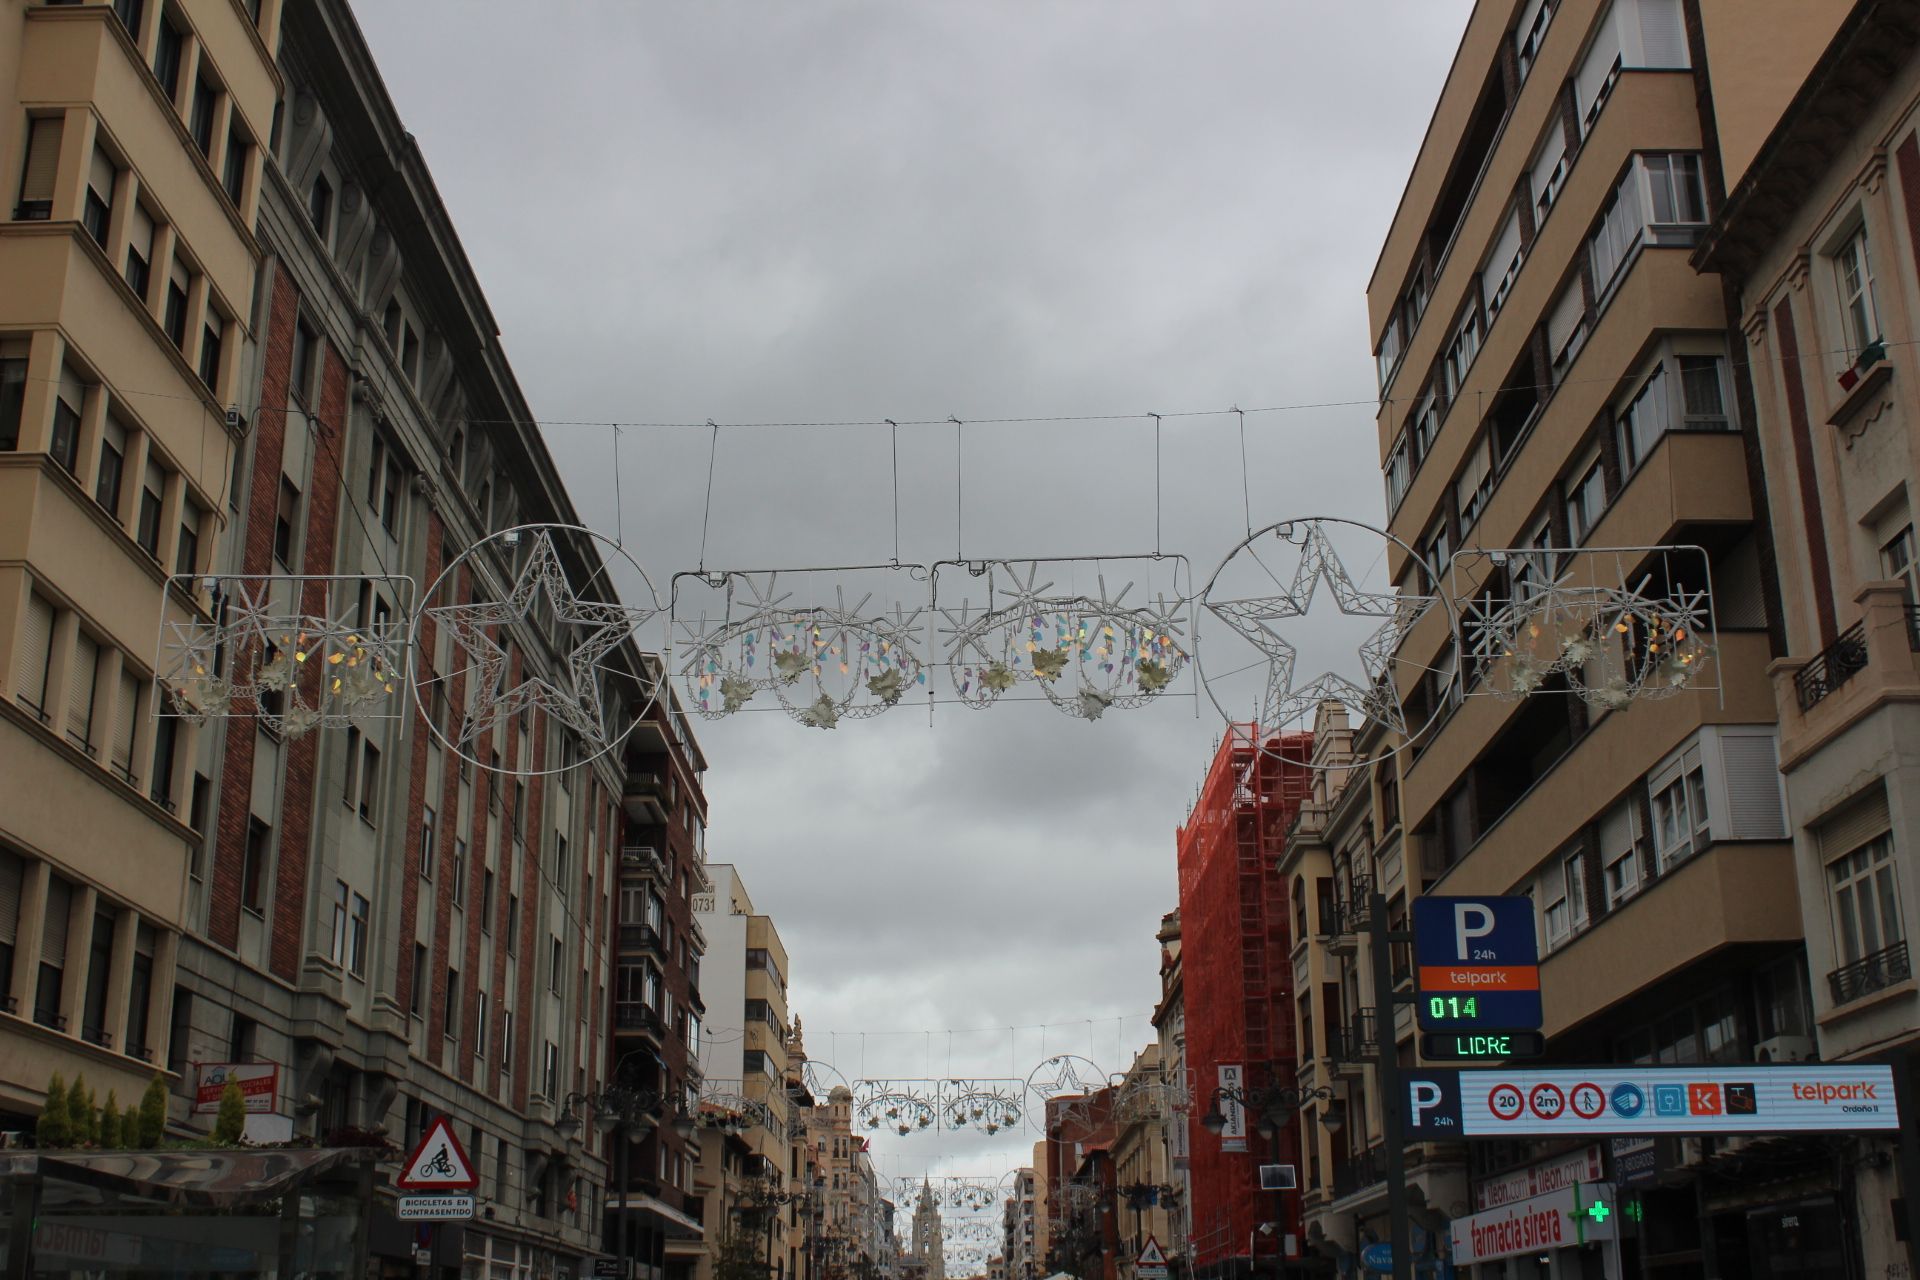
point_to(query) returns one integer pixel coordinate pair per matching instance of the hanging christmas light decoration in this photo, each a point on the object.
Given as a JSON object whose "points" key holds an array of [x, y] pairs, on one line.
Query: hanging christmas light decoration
{"points": [[1545, 619], [738, 635], [723, 1105], [293, 651], [982, 1106], [1087, 653], [902, 1106]]}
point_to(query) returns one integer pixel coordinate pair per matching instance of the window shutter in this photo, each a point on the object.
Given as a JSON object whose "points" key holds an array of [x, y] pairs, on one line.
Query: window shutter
{"points": [[177, 273], [156, 480], [1478, 464], [100, 176], [123, 721], [1564, 317], [1529, 12], [1597, 67], [140, 234], [115, 435], [1495, 275], [1860, 821], [43, 159], [1754, 807], [53, 939], [1663, 38], [13, 871], [80, 680], [72, 390], [1544, 174], [145, 939], [30, 675]]}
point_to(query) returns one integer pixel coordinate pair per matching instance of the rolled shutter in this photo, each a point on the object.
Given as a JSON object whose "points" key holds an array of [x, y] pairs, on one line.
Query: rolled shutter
{"points": [[1663, 38], [1860, 821], [1528, 14], [140, 233], [1544, 174], [36, 643], [53, 939], [1755, 810], [1596, 69], [1496, 273], [13, 873], [115, 435], [43, 159], [100, 176], [1565, 316], [123, 721], [80, 682], [1478, 464]]}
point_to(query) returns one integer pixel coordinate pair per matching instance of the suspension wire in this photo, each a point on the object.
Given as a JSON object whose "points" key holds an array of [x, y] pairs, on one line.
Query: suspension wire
{"points": [[1246, 493], [1156, 482], [619, 511], [713, 448], [959, 492], [895, 432]]}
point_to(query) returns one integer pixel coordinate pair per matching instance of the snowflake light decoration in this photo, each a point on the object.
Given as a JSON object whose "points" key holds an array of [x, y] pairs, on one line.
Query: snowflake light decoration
{"points": [[722, 1105], [1086, 653], [822, 663], [902, 1106], [1264, 621], [1546, 619], [279, 649], [586, 631]]}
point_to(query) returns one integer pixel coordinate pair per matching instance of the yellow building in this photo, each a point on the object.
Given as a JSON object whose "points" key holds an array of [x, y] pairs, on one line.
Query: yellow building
{"points": [[134, 131]]}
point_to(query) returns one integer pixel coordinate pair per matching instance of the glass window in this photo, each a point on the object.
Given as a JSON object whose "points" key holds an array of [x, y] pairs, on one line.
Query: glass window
{"points": [[1674, 186], [1854, 270], [338, 948], [1644, 420], [1703, 398], [1680, 823], [357, 937], [320, 206], [1897, 560], [1397, 473], [1866, 900]]}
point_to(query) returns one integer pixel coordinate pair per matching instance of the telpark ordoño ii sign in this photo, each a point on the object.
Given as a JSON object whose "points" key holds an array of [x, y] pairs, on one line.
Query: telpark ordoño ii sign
{"points": [[1498, 1102]]}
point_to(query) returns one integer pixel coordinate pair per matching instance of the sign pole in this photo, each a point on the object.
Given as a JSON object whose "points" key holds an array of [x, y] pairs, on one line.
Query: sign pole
{"points": [[1386, 1083]]}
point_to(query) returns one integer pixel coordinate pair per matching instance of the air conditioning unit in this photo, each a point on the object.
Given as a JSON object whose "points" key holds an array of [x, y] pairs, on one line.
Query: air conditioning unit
{"points": [[1785, 1049]]}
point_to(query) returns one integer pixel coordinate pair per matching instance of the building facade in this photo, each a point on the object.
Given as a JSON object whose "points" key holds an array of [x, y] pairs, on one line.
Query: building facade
{"points": [[1818, 239], [1556, 376]]}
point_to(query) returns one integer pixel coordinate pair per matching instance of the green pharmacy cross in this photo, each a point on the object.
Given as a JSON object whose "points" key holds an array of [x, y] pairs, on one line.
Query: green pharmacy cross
{"points": [[1598, 1211]]}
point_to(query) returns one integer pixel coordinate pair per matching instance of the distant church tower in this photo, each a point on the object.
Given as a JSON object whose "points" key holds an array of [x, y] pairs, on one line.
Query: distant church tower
{"points": [[929, 1245]]}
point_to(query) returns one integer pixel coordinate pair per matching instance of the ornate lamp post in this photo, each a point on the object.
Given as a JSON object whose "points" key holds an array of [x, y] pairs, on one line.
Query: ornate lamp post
{"points": [[629, 1114], [1273, 1106]]}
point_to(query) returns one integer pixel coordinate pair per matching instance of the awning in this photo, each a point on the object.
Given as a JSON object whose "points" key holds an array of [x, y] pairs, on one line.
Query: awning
{"points": [[678, 1226], [201, 1179]]}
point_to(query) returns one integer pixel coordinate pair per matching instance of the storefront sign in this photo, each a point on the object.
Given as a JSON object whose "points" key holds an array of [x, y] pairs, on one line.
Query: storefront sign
{"points": [[1536, 1180], [1233, 1135], [259, 1085], [1572, 1216], [1497, 1102]]}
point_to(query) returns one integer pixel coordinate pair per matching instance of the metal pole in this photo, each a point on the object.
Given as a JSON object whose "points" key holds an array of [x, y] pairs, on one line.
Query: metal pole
{"points": [[1386, 1079], [625, 1155], [1907, 1157]]}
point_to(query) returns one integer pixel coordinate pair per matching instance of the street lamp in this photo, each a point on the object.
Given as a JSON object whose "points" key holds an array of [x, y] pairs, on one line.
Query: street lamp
{"points": [[1274, 1105], [636, 1111]]}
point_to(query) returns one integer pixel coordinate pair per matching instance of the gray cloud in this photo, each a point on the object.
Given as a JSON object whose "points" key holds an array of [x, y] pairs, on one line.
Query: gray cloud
{"points": [[758, 212]]}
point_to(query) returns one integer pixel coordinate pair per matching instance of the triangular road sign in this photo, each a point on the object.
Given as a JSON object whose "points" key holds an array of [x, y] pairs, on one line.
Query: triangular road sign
{"points": [[1151, 1255], [438, 1163]]}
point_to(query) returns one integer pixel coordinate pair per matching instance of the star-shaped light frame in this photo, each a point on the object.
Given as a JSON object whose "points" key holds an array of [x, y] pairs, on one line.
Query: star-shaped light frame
{"points": [[1286, 703], [585, 631]]}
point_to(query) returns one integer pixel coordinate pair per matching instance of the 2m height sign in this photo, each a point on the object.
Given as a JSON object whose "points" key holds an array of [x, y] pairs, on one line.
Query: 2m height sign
{"points": [[1479, 962]]}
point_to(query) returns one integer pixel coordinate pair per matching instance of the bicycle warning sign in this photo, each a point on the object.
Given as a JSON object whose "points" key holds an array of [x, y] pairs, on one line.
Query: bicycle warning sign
{"points": [[438, 1163]]}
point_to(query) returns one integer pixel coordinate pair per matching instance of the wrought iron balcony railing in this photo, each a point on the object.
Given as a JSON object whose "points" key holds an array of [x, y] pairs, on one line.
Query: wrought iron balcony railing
{"points": [[1356, 1174], [1832, 667], [1870, 974]]}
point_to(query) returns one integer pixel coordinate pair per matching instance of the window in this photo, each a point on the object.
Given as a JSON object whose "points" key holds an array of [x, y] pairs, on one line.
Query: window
{"points": [[1386, 357], [305, 349], [139, 250], [383, 485], [1866, 900], [64, 447], [13, 393], [284, 523], [96, 209], [1532, 29], [1644, 420], [1619, 857], [254, 870], [1898, 560], [1586, 495], [486, 900], [450, 1017], [1680, 820], [1566, 329], [410, 355], [1548, 171], [1566, 898], [459, 871], [175, 315], [337, 951], [200, 119], [1398, 473], [1475, 484], [166, 55], [1619, 231], [1503, 264], [426, 843], [1675, 188], [560, 863], [370, 784], [1703, 393], [550, 1071], [359, 927], [513, 922], [153, 485], [130, 12], [390, 324], [320, 206], [211, 336], [1598, 71], [1853, 268], [106, 481], [186, 559], [233, 174], [1461, 351], [553, 966], [417, 998]]}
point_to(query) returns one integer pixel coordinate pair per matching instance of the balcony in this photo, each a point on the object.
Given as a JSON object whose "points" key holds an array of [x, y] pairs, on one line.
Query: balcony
{"points": [[1872, 664], [1357, 1173], [1869, 974], [643, 859], [644, 797], [633, 1017], [1351, 1047], [641, 938]]}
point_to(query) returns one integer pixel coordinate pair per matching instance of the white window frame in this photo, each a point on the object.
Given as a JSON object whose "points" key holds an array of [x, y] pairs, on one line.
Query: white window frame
{"points": [[1900, 559], [1398, 474], [1645, 419], [1859, 307], [1682, 817], [1867, 871]]}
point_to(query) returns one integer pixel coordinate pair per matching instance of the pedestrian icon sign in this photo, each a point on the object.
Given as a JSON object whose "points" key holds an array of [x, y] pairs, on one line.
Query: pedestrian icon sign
{"points": [[438, 1163]]}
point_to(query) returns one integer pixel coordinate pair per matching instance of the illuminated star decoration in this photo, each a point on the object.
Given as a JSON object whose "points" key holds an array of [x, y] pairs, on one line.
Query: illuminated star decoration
{"points": [[598, 629], [1285, 702]]}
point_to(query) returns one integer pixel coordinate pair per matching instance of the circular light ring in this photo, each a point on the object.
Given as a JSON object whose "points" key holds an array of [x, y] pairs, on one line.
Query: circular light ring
{"points": [[1301, 529], [578, 709]]}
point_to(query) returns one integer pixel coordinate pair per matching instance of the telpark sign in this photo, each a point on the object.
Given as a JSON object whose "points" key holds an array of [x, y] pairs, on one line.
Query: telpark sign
{"points": [[1498, 1102]]}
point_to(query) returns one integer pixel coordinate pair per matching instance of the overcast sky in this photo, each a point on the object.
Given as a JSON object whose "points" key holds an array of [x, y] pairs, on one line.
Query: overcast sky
{"points": [[827, 210]]}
